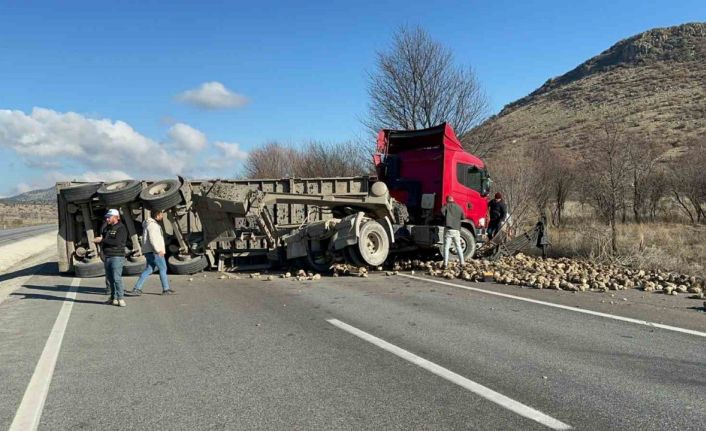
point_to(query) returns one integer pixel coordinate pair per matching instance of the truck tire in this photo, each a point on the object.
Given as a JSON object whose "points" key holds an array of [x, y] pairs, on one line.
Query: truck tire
{"points": [[119, 192], [187, 266], [352, 257], [81, 193], [161, 195], [134, 267], [319, 261], [89, 269], [373, 244], [468, 242]]}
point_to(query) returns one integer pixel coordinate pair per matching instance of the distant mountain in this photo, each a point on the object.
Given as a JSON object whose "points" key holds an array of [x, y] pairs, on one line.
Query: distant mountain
{"points": [[43, 197], [653, 84]]}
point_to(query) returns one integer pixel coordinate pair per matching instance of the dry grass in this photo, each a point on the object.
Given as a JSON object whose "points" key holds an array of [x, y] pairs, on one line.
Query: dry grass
{"points": [[21, 214], [672, 247]]}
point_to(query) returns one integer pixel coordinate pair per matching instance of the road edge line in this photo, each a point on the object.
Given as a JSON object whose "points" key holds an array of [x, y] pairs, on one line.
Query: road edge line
{"points": [[564, 307], [30, 410]]}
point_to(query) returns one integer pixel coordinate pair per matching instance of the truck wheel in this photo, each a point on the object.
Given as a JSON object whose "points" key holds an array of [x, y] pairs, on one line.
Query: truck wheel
{"points": [[119, 192], [81, 193], [161, 195], [373, 244], [350, 255], [319, 260], [134, 267], [89, 269], [188, 265], [468, 244]]}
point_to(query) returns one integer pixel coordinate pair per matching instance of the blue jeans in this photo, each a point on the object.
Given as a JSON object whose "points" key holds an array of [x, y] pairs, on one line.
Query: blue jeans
{"points": [[154, 262], [114, 276]]}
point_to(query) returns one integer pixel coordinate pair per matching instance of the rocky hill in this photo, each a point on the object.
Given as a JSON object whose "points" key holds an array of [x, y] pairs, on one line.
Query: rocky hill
{"points": [[40, 197], [27, 209], [652, 84]]}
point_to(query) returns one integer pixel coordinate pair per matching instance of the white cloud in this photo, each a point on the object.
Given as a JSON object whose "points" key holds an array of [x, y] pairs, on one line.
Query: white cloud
{"points": [[95, 143], [231, 151], [229, 155], [42, 164], [90, 176], [212, 95], [45, 137], [185, 138], [22, 188], [94, 149]]}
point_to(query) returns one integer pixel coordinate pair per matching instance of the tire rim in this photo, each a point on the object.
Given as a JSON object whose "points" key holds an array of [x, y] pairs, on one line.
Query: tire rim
{"points": [[116, 186], [159, 189], [464, 246], [372, 243]]}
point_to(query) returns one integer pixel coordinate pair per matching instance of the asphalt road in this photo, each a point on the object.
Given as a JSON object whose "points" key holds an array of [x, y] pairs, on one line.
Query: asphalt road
{"points": [[11, 235], [249, 354]]}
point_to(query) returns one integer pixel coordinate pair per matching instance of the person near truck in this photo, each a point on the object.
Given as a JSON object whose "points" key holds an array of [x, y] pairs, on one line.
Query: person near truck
{"points": [[113, 240], [453, 214], [101, 230], [498, 212], [154, 250]]}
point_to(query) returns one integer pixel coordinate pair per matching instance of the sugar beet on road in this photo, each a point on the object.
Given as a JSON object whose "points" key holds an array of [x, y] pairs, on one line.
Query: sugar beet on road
{"points": [[249, 354]]}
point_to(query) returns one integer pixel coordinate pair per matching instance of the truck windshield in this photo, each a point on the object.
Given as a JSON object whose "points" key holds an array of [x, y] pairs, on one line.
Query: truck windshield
{"points": [[470, 176]]}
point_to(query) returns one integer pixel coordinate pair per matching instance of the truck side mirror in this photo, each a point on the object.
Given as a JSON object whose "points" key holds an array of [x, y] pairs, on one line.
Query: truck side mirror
{"points": [[485, 183]]}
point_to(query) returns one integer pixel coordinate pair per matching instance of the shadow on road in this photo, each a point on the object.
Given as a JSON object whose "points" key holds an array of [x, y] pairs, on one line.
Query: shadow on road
{"points": [[64, 288], [53, 298], [59, 289], [44, 268]]}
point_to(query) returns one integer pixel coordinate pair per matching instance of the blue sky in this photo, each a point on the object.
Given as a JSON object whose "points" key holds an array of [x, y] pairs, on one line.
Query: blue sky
{"points": [[301, 67]]}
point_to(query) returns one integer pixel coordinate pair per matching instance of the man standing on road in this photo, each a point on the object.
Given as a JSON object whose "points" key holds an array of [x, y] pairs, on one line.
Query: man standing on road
{"points": [[113, 240], [453, 215], [154, 250], [498, 211]]}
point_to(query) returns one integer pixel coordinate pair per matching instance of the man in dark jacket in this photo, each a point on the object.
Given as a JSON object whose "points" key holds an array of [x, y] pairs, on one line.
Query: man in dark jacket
{"points": [[113, 240], [498, 212], [453, 214]]}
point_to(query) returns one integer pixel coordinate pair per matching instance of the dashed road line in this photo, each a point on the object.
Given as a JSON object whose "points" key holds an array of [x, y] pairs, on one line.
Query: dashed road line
{"points": [[478, 389]]}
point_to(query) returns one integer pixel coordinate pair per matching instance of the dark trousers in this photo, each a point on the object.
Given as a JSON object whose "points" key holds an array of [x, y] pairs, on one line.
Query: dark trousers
{"points": [[493, 228]]}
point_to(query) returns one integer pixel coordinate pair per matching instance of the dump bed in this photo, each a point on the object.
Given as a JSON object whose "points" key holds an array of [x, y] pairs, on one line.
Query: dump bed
{"points": [[233, 243]]}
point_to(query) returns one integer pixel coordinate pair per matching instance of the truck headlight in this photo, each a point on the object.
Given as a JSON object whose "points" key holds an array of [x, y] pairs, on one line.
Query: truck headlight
{"points": [[481, 222]]}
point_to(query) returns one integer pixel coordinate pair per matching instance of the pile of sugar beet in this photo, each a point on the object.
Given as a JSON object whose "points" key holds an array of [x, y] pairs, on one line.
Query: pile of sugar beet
{"points": [[558, 274]]}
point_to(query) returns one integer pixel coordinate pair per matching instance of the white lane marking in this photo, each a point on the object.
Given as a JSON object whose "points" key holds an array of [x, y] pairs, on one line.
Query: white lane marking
{"points": [[565, 307], [476, 388], [30, 410]]}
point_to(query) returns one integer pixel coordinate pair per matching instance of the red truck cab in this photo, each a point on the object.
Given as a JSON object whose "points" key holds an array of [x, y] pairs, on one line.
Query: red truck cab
{"points": [[422, 167]]}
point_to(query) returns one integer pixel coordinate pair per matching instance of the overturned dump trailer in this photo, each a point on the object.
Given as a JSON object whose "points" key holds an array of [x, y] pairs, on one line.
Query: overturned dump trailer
{"points": [[231, 224], [251, 224]]}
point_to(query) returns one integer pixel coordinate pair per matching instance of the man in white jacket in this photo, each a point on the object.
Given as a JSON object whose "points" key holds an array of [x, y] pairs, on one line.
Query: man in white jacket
{"points": [[154, 250]]}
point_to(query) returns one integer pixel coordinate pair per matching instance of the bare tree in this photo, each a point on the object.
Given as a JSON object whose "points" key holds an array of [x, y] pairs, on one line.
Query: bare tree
{"points": [[656, 186], [342, 159], [558, 172], [608, 176], [688, 181], [314, 159], [516, 175], [641, 163], [273, 160], [417, 85]]}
